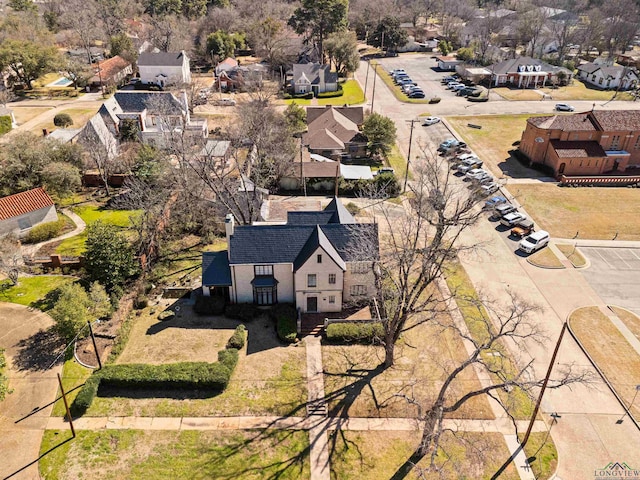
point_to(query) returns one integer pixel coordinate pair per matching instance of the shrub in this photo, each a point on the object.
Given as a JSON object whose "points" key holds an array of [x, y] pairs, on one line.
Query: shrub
{"points": [[352, 208], [435, 100], [63, 120], [209, 305], [245, 312], [5, 124], [366, 333], [85, 397], [4, 387], [141, 302], [166, 315], [337, 93], [44, 231], [238, 338], [228, 358], [389, 183], [285, 316]]}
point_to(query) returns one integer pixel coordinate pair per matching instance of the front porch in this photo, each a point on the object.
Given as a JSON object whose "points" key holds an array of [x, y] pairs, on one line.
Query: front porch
{"points": [[314, 323]]}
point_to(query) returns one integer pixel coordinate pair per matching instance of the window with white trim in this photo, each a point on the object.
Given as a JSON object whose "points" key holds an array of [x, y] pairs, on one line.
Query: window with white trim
{"points": [[263, 270], [355, 290]]}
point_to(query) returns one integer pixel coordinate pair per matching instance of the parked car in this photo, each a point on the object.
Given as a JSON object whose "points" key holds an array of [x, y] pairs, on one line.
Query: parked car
{"points": [[396, 71], [416, 94], [483, 178], [511, 219], [407, 81], [469, 164], [463, 92], [534, 242], [451, 144], [451, 85], [430, 121], [564, 107], [409, 88], [504, 209], [449, 78], [474, 173], [522, 229], [489, 188], [495, 201], [382, 170], [225, 102], [458, 88], [399, 78]]}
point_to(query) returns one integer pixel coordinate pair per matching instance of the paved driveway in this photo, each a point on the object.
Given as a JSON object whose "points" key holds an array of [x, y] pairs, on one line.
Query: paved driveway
{"points": [[615, 274], [30, 349]]}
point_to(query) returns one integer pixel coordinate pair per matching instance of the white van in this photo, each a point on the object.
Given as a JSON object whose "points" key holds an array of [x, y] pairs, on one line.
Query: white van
{"points": [[535, 241]]}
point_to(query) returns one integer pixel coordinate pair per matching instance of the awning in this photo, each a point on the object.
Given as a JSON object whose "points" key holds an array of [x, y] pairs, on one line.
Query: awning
{"points": [[264, 282]]}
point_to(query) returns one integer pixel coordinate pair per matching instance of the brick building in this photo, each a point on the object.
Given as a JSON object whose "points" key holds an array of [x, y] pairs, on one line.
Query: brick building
{"points": [[590, 143]]}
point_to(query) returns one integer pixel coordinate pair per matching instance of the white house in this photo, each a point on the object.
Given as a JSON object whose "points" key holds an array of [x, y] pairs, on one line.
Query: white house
{"points": [[448, 63], [22, 211], [313, 77], [608, 76], [157, 116], [164, 68], [319, 261]]}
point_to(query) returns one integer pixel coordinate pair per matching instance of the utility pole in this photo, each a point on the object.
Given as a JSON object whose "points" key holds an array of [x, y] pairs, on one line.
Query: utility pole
{"points": [[373, 94], [366, 78], [302, 180], [95, 347], [544, 386], [66, 406], [406, 173]]}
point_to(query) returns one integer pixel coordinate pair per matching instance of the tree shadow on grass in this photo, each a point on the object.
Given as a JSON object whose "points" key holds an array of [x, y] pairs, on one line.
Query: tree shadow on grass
{"points": [[47, 302], [38, 352]]}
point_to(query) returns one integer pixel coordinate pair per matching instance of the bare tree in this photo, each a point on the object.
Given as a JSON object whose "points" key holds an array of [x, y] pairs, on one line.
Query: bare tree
{"points": [[621, 25], [80, 17], [531, 25], [10, 258], [102, 150], [500, 328], [415, 247]]}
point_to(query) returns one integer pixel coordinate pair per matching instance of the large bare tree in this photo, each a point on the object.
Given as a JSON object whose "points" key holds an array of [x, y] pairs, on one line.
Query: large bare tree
{"points": [[10, 258]]}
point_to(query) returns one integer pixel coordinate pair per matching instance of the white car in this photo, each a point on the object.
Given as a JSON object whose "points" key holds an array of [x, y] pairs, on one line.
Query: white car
{"points": [[430, 121], [535, 241], [564, 107], [458, 87], [474, 174], [489, 188], [469, 164], [451, 85], [511, 219]]}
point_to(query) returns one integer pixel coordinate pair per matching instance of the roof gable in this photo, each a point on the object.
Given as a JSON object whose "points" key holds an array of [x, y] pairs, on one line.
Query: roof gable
{"points": [[161, 59], [343, 215], [318, 240], [23, 203]]}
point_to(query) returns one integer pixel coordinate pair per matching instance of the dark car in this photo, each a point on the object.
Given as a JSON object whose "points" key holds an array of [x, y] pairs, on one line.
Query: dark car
{"points": [[416, 94]]}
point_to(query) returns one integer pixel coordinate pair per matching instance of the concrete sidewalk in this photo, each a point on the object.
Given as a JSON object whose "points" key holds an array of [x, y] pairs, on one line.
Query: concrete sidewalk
{"points": [[80, 227]]}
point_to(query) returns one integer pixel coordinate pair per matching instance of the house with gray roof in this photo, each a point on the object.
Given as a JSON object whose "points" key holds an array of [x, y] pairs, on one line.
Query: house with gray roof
{"points": [[608, 76], [527, 72], [313, 77], [164, 68], [157, 115], [318, 260]]}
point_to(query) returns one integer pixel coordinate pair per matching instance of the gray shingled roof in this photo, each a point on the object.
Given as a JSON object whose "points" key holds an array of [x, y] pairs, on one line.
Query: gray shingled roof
{"points": [[316, 240], [215, 269], [151, 101], [589, 67], [511, 65], [312, 72], [310, 218], [161, 59]]}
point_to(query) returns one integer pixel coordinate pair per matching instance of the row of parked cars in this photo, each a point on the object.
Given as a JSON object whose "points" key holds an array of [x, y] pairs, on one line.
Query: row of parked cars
{"points": [[403, 80], [521, 227], [469, 166], [455, 84]]}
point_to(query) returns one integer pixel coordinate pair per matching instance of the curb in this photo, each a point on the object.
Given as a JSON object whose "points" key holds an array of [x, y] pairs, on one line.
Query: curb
{"points": [[587, 262], [602, 375]]}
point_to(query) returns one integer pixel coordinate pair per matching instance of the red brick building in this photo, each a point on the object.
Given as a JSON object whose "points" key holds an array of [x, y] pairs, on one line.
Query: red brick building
{"points": [[591, 143]]}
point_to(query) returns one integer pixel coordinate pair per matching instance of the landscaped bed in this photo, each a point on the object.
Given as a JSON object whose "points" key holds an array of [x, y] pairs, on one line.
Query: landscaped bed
{"points": [[135, 454], [545, 258], [269, 378], [573, 255], [631, 320], [622, 370], [374, 455]]}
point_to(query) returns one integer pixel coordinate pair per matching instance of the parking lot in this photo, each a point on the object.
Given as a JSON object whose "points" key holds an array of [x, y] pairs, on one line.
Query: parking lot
{"points": [[615, 275]]}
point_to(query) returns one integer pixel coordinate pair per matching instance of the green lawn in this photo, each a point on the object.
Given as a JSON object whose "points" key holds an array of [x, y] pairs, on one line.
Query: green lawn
{"points": [[541, 448], [135, 454], [32, 290], [73, 377], [352, 95], [578, 90], [74, 246]]}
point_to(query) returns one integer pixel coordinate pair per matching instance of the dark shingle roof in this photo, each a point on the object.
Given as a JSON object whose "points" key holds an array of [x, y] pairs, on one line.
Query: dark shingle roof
{"points": [[255, 244], [343, 215], [151, 101], [312, 72], [215, 269], [316, 240], [161, 59], [511, 65], [310, 218], [577, 149]]}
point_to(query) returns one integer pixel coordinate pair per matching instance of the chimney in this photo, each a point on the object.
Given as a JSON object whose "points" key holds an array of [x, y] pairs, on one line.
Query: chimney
{"points": [[229, 225]]}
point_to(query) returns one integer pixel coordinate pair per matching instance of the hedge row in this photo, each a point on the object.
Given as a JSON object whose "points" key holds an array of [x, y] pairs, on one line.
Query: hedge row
{"points": [[366, 333], [238, 338], [285, 316], [245, 312], [45, 231], [337, 93], [5, 124], [186, 375]]}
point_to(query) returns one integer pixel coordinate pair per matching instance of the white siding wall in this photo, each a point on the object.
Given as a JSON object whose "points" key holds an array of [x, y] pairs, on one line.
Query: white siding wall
{"points": [[242, 275], [323, 289], [23, 223], [149, 74]]}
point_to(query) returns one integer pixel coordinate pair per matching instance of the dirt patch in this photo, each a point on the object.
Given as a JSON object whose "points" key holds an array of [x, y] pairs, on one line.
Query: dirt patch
{"points": [[545, 258], [631, 320], [86, 353], [278, 207]]}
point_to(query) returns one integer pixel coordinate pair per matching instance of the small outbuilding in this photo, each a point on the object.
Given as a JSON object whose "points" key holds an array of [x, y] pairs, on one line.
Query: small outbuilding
{"points": [[22, 211]]}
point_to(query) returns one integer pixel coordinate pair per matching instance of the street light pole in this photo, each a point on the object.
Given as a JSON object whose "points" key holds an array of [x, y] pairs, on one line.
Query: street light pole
{"points": [[406, 173], [373, 94]]}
